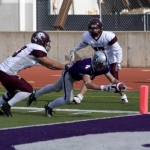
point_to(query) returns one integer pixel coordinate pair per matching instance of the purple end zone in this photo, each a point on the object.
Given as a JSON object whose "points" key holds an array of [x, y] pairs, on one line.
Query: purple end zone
{"points": [[11, 137]]}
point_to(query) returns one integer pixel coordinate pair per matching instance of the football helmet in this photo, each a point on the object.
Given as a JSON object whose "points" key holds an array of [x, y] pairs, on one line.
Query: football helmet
{"points": [[99, 61], [41, 38], [95, 27]]}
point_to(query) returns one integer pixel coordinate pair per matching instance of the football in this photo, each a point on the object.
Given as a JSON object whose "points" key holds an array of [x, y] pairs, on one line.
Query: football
{"points": [[120, 87]]}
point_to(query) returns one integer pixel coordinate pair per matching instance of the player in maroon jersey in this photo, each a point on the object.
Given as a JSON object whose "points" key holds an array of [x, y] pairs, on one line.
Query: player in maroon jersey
{"points": [[28, 56]]}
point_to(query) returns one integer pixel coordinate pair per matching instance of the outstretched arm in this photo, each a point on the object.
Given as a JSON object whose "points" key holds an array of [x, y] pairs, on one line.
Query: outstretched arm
{"points": [[89, 84], [52, 64]]}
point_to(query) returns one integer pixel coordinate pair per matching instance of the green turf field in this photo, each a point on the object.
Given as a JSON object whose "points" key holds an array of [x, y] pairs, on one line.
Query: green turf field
{"points": [[93, 106]]}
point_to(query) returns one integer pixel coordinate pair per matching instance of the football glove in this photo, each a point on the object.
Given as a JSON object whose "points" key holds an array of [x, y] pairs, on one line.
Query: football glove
{"points": [[109, 88], [72, 56], [77, 99], [118, 66], [68, 65]]}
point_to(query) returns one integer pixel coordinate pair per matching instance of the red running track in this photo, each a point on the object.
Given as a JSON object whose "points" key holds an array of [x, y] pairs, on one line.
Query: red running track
{"points": [[39, 76]]}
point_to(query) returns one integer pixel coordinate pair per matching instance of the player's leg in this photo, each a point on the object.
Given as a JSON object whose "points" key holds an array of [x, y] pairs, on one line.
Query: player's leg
{"points": [[55, 87], [67, 83], [12, 84], [6, 97], [113, 70]]}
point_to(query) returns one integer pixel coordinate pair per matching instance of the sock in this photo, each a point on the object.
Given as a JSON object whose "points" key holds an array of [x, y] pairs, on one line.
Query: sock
{"points": [[18, 97], [1, 98]]}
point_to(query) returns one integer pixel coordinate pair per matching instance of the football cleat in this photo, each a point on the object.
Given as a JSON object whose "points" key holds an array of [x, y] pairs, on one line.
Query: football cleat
{"points": [[6, 109], [1, 113], [124, 99], [31, 99], [48, 111]]}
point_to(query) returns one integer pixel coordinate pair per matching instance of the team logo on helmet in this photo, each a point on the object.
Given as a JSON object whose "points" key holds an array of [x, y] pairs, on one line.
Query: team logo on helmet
{"points": [[41, 38]]}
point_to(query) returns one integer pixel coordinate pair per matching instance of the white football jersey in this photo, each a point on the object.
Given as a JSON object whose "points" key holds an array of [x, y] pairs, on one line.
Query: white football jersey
{"points": [[25, 57], [107, 42]]}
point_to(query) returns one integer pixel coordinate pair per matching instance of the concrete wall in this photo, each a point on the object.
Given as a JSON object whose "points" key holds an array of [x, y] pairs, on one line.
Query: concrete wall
{"points": [[136, 52]]}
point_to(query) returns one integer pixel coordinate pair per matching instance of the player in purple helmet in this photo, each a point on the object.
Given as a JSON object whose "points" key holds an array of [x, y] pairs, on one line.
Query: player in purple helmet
{"points": [[85, 70]]}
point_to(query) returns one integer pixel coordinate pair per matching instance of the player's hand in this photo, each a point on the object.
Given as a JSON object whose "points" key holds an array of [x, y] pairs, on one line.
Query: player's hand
{"points": [[118, 66], [77, 99], [68, 65], [72, 56]]}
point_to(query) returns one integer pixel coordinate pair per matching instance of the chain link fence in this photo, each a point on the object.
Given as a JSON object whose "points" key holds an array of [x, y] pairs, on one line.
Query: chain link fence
{"points": [[116, 15]]}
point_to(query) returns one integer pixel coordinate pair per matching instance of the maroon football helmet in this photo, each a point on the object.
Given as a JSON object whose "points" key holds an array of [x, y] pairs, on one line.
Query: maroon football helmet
{"points": [[41, 38], [95, 23], [95, 27]]}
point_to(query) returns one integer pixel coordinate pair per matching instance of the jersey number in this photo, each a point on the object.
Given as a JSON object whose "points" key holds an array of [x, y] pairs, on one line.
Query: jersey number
{"points": [[99, 48], [15, 54]]}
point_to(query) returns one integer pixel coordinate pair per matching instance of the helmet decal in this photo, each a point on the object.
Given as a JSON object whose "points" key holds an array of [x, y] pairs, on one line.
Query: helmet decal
{"points": [[40, 37]]}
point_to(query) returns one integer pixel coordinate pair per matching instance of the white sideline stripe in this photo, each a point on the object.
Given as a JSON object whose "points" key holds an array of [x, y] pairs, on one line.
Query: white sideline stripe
{"points": [[35, 109]]}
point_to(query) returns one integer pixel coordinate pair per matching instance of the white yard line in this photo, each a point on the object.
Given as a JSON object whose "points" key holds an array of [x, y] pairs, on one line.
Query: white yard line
{"points": [[35, 109]]}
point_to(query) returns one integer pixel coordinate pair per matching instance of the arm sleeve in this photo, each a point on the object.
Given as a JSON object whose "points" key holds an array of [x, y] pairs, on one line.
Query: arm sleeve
{"points": [[81, 44], [117, 50], [38, 53], [114, 45]]}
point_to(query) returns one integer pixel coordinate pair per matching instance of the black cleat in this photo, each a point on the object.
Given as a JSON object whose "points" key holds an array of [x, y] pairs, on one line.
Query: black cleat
{"points": [[1, 113], [6, 109], [31, 99], [48, 111]]}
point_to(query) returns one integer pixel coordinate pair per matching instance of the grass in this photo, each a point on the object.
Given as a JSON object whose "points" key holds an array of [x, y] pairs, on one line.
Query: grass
{"points": [[94, 100]]}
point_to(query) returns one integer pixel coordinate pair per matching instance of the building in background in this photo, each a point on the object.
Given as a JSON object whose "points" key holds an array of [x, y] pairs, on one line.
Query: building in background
{"points": [[117, 15], [18, 15]]}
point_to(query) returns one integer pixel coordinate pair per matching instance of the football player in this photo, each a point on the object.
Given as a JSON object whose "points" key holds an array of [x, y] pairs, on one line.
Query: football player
{"points": [[28, 56], [100, 40], [85, 70]]}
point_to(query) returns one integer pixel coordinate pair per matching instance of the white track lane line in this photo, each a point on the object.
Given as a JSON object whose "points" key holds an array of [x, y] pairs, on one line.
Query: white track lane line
{"points": [[35, 109]]}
